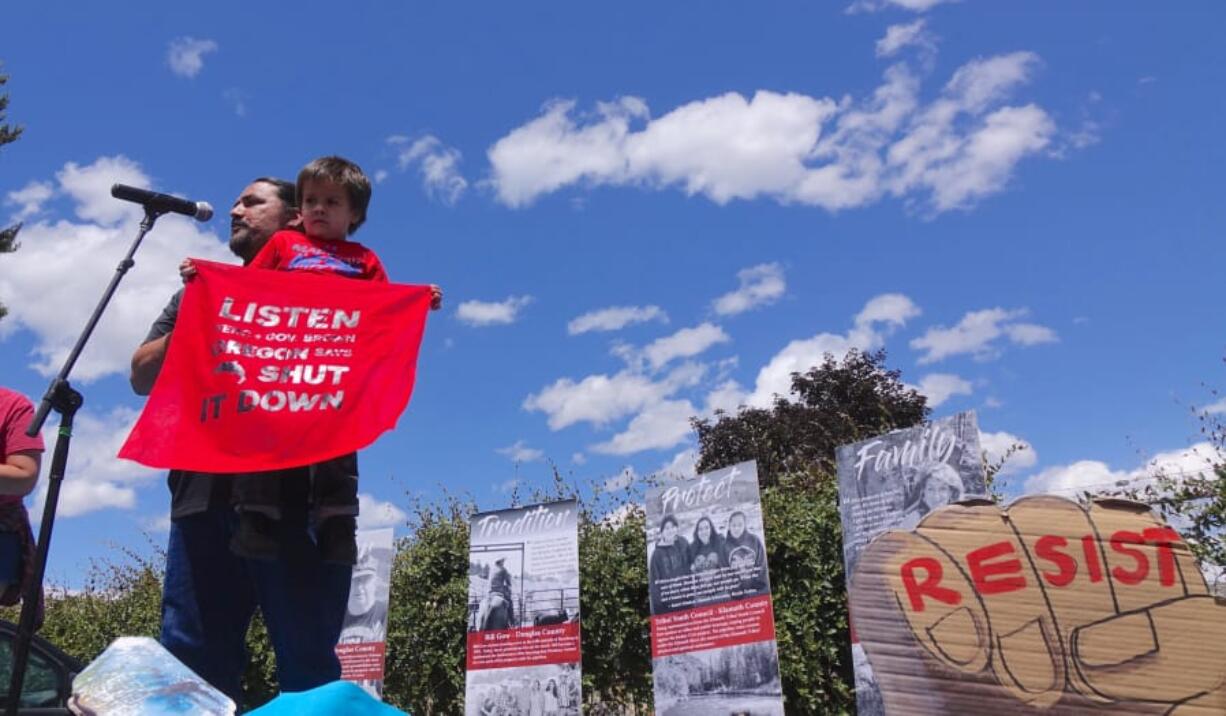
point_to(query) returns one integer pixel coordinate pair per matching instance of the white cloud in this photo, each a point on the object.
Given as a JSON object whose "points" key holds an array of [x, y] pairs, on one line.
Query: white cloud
{"points": [[519, 452], [438, 164], [158, 523], [237, 99], [999, 443], [879, 315], [185, 55], [940, 387], [684, 343], [682, 464], [374, 513], [1215, 408], [796, 149], [976, 335], [506, 486], [760, 285], [727, 396], [615, 318], [892, 309], [1097, 476], [601, 399], [912, 5], [621, 480], [29, 199], [492, 313], [579, 458], [95, 479], [52, 285], [659, 426], [898, 37]]}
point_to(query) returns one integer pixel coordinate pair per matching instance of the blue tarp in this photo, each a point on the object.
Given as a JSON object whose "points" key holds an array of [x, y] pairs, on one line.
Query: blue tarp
{"points": [[338, 697]]}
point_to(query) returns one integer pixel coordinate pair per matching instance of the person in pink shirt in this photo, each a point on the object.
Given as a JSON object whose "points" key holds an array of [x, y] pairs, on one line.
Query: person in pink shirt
{"points": [[20, 460]]}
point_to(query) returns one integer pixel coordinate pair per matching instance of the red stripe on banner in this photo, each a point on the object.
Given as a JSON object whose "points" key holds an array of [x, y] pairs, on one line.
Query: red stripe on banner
{"points": [[743, 621], [529, 646], [361, 661]]}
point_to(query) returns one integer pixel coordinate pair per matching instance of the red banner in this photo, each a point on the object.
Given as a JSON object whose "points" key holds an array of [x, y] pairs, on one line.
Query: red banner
{"points": [[729, 624], [529, 646], [269, 370]]}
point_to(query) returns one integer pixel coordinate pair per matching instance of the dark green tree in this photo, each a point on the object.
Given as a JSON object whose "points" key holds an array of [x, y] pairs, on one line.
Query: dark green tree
{"points": [[831, 404], [8, 134]]}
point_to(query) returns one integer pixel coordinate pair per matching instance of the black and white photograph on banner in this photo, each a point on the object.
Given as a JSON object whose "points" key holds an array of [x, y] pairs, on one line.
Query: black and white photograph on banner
{"points": [[891, 482], [523, 611], [705, 541], [519, 578], [362, 644], [712, 624], [748, 676], [551, 690]]}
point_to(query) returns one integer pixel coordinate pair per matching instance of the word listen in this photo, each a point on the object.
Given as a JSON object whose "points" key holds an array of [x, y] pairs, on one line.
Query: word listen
{"points": [[289, 316], [997, 569]]}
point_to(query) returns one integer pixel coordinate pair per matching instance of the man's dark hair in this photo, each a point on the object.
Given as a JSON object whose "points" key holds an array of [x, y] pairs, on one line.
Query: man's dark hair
{"points": [[339, 170], [285, 190], [667, 519]]}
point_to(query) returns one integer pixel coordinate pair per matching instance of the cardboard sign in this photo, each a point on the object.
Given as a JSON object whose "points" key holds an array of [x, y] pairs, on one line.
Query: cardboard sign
{"points": [[270, 369], [893, 481], [1043, 606], [523, 612]]}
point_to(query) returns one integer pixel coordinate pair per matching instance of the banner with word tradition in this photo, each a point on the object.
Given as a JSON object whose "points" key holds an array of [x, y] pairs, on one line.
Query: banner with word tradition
{"points": [[523, 611], [269, 370], [712, 625]]}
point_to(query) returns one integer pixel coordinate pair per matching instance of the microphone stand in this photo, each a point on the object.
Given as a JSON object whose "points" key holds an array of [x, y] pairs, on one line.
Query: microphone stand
{"points": [[61, 397]]}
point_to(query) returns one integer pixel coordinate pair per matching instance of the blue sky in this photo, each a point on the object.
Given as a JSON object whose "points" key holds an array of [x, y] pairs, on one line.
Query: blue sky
{"points": [[1022, 203]]}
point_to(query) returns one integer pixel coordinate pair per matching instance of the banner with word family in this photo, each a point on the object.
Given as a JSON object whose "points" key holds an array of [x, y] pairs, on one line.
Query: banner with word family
{"points": [[712, 623], [268, 370], [891, 482], [363, 643], [523, 611], [1042, 606]]}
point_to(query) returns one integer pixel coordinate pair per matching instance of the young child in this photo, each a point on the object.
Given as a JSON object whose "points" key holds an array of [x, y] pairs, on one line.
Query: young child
{"points": [[333, 195]]}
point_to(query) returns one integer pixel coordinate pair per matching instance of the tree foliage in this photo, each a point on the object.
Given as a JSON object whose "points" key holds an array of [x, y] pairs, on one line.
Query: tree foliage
{"points": [[8, 134], [836, 402]]}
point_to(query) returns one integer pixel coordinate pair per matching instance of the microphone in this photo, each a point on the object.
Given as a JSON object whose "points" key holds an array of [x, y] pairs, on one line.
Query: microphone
{"points": [[162, 203]]}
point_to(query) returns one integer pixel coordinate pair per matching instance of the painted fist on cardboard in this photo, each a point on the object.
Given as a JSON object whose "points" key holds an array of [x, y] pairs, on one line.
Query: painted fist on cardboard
{"points": [[1040, 607]]}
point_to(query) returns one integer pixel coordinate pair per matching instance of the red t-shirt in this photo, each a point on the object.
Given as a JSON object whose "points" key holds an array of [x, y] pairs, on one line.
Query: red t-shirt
{"points": [[15, 415], [293, 251]]}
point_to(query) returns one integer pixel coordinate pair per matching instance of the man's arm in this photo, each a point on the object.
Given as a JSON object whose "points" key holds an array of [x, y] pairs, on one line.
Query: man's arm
{"points": [[147, 363], [147, 360]]}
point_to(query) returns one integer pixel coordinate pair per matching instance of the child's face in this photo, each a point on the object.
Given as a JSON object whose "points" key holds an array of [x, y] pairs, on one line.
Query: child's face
{"points": [[326, 211]]}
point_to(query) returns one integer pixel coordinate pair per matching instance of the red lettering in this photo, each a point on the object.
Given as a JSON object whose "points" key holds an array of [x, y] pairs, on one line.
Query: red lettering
{"points": [[979, 562], [1089, 547], [931, 586], [1165, 539], [1119, 540], [1048, 547]]}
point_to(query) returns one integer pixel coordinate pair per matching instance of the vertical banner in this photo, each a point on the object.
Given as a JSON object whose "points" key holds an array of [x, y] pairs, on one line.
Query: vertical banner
{"points": [[363, 641], [712, 624], [891, 482], [523, 611]]}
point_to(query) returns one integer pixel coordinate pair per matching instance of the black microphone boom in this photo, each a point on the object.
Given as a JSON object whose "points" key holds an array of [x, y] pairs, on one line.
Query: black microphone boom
{"points": [[162, 203]]}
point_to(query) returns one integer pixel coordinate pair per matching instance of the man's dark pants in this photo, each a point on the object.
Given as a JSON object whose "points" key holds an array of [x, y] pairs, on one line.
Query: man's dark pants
{"points": [[210, 595]]}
